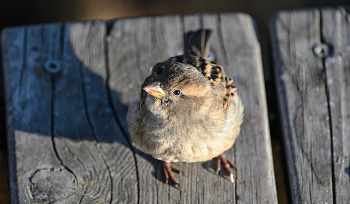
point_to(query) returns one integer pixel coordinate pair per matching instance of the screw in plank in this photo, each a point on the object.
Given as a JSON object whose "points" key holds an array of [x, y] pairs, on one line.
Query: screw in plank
{"points": [[53, 66], [321, 50]]}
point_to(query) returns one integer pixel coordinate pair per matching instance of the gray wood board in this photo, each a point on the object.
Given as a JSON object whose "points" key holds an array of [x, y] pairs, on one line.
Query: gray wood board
{"points": [[67, 133], [313, 94]]}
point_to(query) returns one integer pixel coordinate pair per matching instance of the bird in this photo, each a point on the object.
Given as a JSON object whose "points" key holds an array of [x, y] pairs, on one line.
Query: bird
{"points": [[187, 110]]}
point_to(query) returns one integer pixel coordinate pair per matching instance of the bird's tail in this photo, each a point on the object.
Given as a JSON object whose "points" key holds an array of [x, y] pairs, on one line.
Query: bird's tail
{"points": [[198, 43]]}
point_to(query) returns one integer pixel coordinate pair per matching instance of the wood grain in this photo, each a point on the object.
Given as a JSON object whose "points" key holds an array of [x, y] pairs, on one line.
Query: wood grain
{"points": [[67, 132], [313, 101]]}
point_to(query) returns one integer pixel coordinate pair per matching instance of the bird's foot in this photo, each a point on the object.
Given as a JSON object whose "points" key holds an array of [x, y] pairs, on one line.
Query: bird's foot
{"points": [[168, 171], [227, 164]]}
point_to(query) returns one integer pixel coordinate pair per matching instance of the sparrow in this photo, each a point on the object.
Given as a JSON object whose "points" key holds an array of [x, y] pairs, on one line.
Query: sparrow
{"points": [[187, 111]]}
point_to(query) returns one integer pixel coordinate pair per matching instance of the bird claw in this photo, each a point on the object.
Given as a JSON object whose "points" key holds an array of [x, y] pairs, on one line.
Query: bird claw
{"points": [[168, 171], [177, 170], [227, 164]]}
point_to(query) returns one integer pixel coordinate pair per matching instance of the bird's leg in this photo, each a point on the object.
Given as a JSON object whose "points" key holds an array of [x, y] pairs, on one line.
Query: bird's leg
{"points": [[168, 168], [227, 164]]}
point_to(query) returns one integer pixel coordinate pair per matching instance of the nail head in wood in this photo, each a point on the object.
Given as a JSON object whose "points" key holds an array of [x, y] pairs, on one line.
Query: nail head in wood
{"points": [[53, 66], [321, 50]]}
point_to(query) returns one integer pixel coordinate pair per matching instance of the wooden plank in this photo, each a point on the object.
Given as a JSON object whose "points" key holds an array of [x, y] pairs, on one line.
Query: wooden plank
{"points": [[336, 32], [28, 99], [60, 132], [192, 22], [67, 131], [149, 43], [241, 43], [116, 169], [312, 98], [239, 39]]}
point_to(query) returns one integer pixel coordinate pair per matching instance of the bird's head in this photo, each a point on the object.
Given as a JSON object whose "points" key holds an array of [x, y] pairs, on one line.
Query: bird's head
{"points": [[181, 88]]}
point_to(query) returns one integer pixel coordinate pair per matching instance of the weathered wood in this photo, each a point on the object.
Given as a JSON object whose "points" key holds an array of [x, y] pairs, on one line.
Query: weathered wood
{"points": [[313, 96], [235, 36], [63, 122], [72, 124]]}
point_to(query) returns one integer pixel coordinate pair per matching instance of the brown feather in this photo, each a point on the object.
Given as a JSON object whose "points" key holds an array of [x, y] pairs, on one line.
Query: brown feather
{"points": [[197, 125], [198, 116], [213, 72]]}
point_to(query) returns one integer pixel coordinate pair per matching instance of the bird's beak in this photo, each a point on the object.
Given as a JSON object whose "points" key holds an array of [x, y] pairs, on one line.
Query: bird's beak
{"points": [[154, 89]]}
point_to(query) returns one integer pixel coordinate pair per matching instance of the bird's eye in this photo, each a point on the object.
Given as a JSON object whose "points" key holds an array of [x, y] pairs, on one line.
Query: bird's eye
{"points": [[177, 92]]}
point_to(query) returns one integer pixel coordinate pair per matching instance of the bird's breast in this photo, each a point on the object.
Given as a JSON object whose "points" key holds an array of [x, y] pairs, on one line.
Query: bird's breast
{"points": [[181, 138], [189, 142]]}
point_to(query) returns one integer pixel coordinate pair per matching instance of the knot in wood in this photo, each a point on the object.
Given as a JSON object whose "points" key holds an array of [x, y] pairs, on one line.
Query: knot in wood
{"points": [[51, 185]]}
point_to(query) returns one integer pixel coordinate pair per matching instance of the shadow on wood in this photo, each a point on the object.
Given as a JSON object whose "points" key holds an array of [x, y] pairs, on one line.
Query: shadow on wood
{"points": [[67, 90]]}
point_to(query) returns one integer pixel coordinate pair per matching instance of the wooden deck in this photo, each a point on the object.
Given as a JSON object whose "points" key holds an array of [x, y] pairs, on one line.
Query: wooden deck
{"points": [[68, 87], [311, 50]]}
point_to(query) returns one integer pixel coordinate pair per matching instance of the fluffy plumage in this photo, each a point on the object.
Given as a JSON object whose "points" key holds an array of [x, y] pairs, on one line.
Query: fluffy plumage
{"points": [[188, 110]]}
